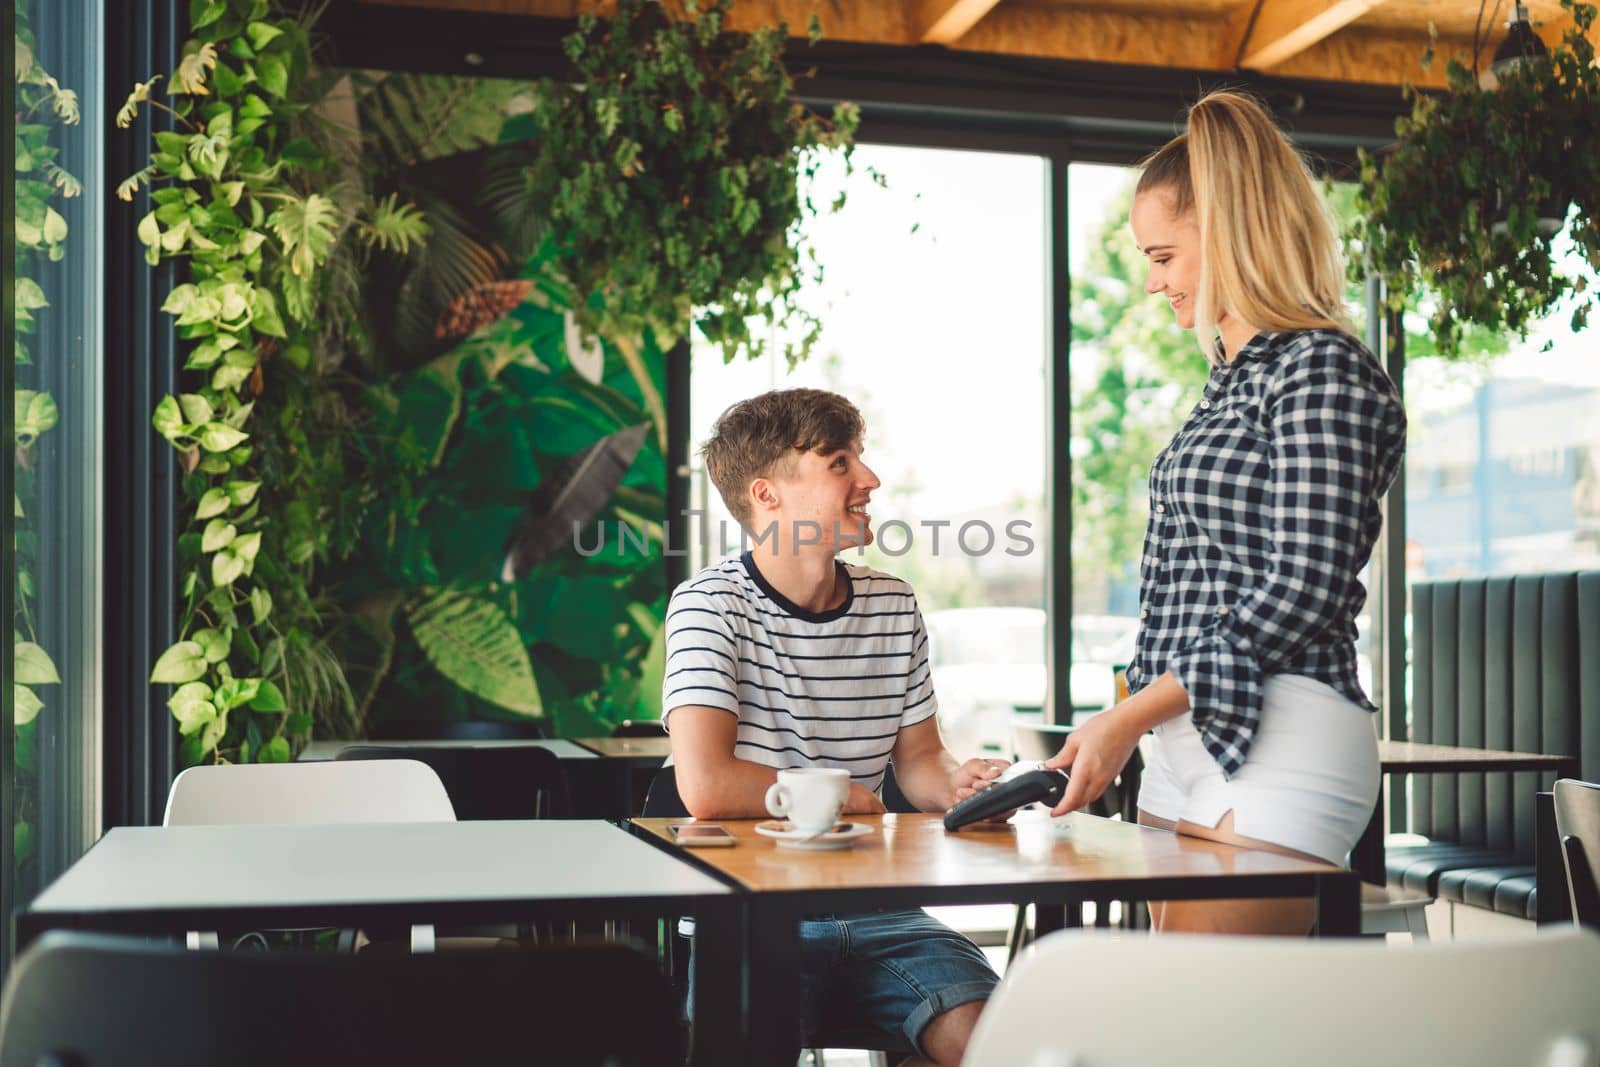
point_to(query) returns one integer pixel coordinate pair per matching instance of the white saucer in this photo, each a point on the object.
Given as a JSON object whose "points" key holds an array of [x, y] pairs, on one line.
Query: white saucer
{"points": [[788, 837]]}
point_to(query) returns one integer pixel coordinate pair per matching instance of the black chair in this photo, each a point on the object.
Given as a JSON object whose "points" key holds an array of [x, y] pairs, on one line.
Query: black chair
{"points": [[88, 1000], [1578, 823], [638, 778], [639, 728], [460, 730], [505, 782], [663, 802], [836, 1026]]}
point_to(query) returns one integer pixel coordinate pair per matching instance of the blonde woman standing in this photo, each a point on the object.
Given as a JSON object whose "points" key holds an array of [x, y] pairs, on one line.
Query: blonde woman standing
{"points": [[1263, 509]]}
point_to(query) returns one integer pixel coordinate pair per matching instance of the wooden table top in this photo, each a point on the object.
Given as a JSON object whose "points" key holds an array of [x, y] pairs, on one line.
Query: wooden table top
{"points": [[1413, 756], [657, 748], [915, 851]]}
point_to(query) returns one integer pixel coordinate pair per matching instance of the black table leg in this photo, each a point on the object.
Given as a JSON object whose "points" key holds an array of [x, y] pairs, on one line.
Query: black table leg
{"points": [[1338, 904], [1549, 867], [720, 1033], [1367, 858], [772, 981]]}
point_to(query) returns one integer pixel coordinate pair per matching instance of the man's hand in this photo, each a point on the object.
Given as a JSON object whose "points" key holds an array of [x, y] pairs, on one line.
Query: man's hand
{"points": [[862, 801], [978, 774], [974, 774], [1094, 755]]}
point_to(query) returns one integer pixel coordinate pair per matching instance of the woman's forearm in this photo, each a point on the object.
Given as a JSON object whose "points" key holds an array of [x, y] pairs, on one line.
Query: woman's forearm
{"points": [[1161, 700]]}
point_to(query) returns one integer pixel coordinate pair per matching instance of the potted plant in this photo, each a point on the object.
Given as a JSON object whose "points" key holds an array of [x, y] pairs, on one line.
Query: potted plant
{"points": [[671, 165], [1474, 200]]}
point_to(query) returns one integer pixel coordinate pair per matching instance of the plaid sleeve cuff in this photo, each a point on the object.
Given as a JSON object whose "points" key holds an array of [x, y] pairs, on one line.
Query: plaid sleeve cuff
{"points": [[1224, 687]]}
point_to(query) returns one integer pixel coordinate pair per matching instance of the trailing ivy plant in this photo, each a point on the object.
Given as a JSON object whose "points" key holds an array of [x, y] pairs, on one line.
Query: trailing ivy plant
{"points": [[671, 164], [248, 208], [42, 106], [1471, 200]]}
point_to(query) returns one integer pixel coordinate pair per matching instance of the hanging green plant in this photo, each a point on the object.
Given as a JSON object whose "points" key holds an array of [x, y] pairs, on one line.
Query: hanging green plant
{"points": [[671, 164], [1470, 202], [253, 213]]}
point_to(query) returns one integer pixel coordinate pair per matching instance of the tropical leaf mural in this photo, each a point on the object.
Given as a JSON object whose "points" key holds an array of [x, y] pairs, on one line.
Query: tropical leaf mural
{"points": [[489, 441], [472, 642], [570, 496]]}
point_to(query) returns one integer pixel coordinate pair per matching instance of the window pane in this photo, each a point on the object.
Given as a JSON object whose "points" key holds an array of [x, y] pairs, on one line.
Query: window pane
{"points": [[935, 306], [1135, 374], [1501, 473], [56, 405], [1503, 454]]}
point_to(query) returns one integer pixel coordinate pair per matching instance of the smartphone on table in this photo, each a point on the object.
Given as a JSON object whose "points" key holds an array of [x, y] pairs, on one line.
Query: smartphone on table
{"points": [[701, 835]]}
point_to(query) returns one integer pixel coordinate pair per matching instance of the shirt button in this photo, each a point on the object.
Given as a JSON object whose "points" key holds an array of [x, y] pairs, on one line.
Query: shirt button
{"points": [[1161, 509], [1205, 405], [1222, 610], [1144, 614], [1133, 672]]}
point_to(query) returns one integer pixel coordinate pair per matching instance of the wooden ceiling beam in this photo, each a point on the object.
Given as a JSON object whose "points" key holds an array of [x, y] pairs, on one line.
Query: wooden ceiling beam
{"points": [[1285, 28], [944, 21], [1193, 43], [1364, 55], [1093, 35]]}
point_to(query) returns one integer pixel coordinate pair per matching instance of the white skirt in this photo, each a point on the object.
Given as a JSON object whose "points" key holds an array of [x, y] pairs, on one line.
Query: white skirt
{"points": [[1309, 782]]}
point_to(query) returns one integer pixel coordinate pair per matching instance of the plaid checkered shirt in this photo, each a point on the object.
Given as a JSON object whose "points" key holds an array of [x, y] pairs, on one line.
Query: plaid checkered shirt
{"points": [[1263, 509]]}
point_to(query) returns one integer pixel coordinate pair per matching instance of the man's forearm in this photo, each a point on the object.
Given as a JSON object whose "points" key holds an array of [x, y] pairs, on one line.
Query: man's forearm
{"points": [[725, 789], [926, 782]]}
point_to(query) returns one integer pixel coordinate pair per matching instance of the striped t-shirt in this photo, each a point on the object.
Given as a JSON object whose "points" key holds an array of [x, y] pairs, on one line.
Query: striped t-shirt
{"points": [[811, 689]]}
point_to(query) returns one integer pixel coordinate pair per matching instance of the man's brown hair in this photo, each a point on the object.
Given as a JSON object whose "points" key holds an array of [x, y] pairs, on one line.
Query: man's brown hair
{"points": [[764, 436]]}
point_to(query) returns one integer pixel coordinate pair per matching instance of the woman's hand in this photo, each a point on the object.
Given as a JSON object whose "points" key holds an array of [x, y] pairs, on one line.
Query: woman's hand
{"points": [[862, 801], [1093, 756]]}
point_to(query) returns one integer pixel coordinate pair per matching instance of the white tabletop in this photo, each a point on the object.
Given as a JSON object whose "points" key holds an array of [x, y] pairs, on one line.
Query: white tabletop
{"points": [[318, 751], [143, 869]]}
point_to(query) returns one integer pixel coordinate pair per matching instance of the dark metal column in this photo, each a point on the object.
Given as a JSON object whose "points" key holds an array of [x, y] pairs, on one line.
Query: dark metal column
{"points": [[679, 529], [1392, 548], [142, 39], [1058, 468]]}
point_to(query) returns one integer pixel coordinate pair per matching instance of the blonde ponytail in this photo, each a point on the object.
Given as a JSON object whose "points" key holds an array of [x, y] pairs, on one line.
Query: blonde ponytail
{"points": [[1269, 253]]}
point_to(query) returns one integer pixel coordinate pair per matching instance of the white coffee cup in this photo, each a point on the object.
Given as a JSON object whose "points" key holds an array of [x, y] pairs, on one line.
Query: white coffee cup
{"points": [[809, 797]]}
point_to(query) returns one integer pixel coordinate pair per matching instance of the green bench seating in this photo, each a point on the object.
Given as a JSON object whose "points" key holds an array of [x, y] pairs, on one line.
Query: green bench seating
{"points": [[1507, 663]]}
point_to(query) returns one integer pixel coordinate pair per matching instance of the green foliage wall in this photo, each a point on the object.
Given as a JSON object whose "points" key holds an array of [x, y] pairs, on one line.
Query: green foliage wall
{"points": [[407, 380]]}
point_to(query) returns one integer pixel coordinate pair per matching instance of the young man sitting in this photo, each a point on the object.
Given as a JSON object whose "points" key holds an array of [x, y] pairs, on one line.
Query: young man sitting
{"points": [[785, 657]]}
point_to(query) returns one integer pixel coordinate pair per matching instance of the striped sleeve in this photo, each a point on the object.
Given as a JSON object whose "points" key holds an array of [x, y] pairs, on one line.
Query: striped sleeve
{"points": [[921, 703], [701, 655]]}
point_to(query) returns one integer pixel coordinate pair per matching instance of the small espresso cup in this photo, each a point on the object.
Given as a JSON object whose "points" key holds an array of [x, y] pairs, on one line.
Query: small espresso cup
{"points": [[809, 797]]}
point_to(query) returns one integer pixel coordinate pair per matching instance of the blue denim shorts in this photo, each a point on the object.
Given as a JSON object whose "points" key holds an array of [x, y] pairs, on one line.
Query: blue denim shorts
{"points": [[893, 971]]}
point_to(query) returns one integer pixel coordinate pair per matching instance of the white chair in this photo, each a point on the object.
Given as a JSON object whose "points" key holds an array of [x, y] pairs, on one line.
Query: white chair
{"points": [[1092, 999], [305, 793], [1393, 909]]}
